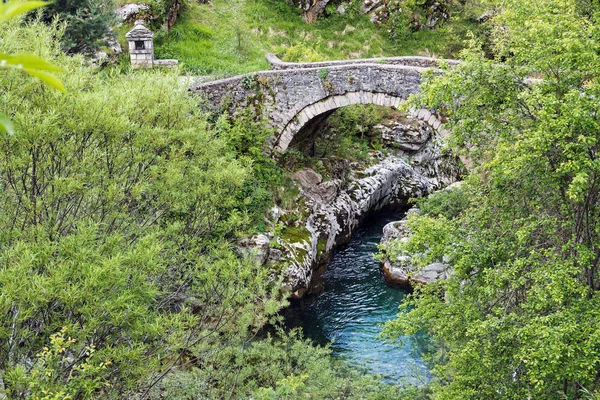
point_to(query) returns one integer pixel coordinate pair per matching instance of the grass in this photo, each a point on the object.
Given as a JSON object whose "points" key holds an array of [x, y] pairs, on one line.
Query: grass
{"points": [[232, 37]]}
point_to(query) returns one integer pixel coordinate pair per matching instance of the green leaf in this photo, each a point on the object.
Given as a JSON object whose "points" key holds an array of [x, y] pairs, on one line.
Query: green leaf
{"points": [[34, 66], [49, 79], [28, 62], [6, 125], [14, 8]]}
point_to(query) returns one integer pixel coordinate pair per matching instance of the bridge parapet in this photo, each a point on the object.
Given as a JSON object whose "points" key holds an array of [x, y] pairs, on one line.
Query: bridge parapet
{"points": [[409, 61]]}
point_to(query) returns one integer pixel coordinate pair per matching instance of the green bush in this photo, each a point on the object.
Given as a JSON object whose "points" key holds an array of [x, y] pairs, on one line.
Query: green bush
{"points": [[513, 319], [116, 215], [87, 22]]}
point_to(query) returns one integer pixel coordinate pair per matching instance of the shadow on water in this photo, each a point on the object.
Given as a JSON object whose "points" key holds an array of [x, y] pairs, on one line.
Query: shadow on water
{"points": [[355, 301]]}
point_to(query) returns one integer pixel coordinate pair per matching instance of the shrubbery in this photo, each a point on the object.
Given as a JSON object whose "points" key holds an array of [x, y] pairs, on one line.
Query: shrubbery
{"points": [[517, 317], [88, 22], [119, 213], [115, 217]]}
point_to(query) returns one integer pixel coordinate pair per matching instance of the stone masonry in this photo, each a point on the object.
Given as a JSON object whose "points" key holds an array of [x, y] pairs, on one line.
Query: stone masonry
{"points": [[292, 94], [141, 46]]}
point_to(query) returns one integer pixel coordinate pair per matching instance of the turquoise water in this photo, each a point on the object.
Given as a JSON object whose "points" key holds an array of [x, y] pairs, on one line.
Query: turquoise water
{"points": [[356, 301]]}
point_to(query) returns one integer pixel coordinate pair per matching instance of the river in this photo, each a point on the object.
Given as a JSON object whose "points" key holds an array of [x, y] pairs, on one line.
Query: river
{"points": [[355, 302]]}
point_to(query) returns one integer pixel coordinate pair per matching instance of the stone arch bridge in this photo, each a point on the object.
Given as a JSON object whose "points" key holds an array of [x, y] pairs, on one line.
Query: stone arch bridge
{"points": [[295, 97]]}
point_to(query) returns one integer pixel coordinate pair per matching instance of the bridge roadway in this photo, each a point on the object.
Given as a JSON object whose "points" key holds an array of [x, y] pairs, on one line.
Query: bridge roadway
{"points": [[298, 96]]}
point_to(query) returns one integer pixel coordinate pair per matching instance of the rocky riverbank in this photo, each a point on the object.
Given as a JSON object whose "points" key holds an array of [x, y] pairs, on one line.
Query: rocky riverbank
{"points": [[327, 212]]}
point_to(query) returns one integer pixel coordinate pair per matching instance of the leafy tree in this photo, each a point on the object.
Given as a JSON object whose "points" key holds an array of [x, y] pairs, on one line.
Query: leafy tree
{"points": [[87, 22], [116, 224], [517, 319]]}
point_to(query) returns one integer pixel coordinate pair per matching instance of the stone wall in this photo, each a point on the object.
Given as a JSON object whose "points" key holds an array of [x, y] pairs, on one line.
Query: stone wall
{"points": [[410, 61], [291, 95]]}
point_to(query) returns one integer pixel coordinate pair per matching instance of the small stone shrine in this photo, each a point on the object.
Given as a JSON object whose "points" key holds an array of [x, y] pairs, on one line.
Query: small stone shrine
{"points": [[141, 48]]}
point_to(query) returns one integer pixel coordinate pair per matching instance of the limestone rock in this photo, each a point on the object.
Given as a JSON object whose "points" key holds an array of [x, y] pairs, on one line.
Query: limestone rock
{"points": [[311, 184], [376, 9], [390, 231], [436, 13], [312, 9], [404, 136], [130, 11], [408, 277], [275, 255], [401, 270], [113, 44], [370, 6], [257, 247]]}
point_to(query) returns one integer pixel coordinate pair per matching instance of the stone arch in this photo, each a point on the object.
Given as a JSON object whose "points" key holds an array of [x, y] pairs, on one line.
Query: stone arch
{"points": [[326, 105]]}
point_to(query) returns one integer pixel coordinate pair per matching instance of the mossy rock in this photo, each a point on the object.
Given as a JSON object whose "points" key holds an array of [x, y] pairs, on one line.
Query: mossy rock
{"points": [[293, 234]]}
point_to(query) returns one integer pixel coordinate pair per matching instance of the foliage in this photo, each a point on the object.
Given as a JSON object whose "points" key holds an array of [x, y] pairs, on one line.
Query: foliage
{"points": [[40, 381], [323, 73], [30, 63], [516, 317], [87, 22], [246, 138], [116, 223], [447, 203], [281, 367]]}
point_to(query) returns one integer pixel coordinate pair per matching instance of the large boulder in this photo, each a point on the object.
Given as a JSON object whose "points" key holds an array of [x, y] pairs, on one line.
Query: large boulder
{"points": [[311, 183], [131, 11], [401, 271], [256, 247], [407, 137]]}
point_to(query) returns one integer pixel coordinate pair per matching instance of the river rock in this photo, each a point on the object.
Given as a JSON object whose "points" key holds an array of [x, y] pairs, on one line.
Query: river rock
{"points": [[401, 271], [409, 276]]}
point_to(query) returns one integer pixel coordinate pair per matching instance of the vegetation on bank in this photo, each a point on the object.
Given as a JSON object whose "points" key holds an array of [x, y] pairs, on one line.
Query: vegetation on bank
{"points": [[518, 316]]}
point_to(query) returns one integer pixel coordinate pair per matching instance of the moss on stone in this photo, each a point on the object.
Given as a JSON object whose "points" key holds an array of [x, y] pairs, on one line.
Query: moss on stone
{"points": [[321, 246], [293, 234]]}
